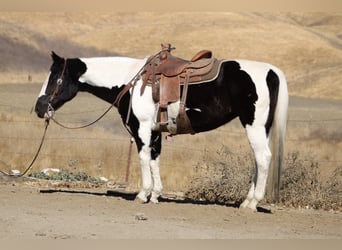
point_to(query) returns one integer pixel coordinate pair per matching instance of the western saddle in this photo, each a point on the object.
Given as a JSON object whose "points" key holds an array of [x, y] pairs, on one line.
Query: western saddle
{"points": [[166, 74]]}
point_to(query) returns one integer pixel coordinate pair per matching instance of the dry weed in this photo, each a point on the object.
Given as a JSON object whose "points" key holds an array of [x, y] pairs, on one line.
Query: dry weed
{"points": [[302, 184], [224, 178], [221, 177]]}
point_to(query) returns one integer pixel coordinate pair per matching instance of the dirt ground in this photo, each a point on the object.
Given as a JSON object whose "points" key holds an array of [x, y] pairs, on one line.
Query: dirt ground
{"points": [[29, 211]]}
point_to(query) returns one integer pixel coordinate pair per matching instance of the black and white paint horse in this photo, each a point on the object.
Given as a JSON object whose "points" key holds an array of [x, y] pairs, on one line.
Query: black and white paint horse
{"points": [[254, 92]]}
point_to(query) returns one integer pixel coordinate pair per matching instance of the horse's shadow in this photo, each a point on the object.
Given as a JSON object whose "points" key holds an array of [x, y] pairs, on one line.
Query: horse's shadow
{"points": [[130, 196]]}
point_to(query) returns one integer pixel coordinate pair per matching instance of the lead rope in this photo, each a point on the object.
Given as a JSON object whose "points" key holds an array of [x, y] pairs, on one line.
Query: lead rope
{"points": [[83, 126], [47, 121]]}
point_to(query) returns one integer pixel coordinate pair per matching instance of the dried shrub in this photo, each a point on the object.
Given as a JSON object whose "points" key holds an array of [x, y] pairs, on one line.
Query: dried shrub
{"points": [[224, 178], [221, 177], [302, 184]]}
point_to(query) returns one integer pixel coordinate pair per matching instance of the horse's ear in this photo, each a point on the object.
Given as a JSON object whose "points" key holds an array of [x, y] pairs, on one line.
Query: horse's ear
{"points": [[55, 57]]}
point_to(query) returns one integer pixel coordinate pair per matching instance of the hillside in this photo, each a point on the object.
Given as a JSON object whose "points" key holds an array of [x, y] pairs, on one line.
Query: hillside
{"points": [[306, 46]]}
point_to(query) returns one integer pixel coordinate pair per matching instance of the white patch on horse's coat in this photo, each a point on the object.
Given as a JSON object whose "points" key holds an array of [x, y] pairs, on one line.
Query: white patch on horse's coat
{"points": [[143, 105], [258, 72], [43, 89], [111, 71]]}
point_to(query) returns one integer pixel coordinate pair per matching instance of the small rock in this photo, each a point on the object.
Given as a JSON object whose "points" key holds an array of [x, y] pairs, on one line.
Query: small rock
{"points": [[104, 179], [47, 171], [41, 234], [140, 216], [14, 172]]}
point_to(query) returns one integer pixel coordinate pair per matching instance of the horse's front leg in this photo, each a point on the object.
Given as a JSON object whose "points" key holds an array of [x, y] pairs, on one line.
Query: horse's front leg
{"points": [[146, 177], [149, 162], [154, 164], [144, 149]]}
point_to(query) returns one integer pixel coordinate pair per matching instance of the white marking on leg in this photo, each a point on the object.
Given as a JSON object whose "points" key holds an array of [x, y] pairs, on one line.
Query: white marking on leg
{"points": [[250, 195], [259, 143], [157, 184], [145, 157], [263, 161]]}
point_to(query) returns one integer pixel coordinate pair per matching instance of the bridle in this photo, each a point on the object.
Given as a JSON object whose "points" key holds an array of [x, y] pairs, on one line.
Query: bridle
{"points": [[50, 110]]}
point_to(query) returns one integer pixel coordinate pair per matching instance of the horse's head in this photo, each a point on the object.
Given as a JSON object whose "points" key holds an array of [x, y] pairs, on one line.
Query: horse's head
{"points": [[61, 85]]}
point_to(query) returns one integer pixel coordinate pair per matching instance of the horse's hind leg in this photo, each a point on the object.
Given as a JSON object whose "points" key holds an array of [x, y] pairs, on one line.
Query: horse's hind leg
{"points": [[259, 143]]}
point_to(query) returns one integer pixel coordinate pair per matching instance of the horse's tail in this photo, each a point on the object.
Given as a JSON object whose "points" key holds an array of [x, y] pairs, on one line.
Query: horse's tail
{"points": [[277, 137]]}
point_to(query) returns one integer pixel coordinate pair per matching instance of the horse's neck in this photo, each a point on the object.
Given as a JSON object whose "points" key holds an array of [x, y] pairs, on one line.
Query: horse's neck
{"points": [[109, 72], [107, 94]]}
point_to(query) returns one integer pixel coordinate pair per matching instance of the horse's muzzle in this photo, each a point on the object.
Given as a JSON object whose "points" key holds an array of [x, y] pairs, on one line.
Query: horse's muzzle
{"points": [[42, 106]]}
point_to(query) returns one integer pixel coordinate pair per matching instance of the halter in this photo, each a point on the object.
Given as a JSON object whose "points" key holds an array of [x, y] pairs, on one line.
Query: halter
{"points": [[58, 84]]}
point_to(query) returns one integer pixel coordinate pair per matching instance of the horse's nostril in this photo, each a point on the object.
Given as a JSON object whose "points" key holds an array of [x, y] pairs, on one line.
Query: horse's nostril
{"points": [[39, 110], [39, 113], [41, 106]]}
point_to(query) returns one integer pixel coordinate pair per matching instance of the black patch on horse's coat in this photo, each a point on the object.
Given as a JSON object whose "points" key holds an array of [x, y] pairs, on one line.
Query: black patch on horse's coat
{"points": [[155, 144], [109, 95], [242, 92], [103, 93], [232, 94], [76, 68], [273, 88]]}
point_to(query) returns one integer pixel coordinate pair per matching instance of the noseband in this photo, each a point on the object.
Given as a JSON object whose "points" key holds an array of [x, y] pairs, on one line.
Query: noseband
{"points": [[54, 94]]}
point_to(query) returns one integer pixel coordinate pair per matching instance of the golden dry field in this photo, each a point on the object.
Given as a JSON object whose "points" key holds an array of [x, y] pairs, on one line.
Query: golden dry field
{"points": [[306, 46]]}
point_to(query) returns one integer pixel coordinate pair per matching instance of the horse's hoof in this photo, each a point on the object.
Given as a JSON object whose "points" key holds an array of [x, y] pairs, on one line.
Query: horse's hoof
{"points": [[154, 200], [138, 199], [154, 197], [249, 206], [244, 204]]}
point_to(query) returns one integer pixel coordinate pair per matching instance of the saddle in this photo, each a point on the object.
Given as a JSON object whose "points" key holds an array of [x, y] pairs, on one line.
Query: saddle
{"points": [[167, 73]]}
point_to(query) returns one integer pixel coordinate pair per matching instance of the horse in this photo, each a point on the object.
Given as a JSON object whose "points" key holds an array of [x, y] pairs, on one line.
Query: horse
{"points": [[255, 92]]}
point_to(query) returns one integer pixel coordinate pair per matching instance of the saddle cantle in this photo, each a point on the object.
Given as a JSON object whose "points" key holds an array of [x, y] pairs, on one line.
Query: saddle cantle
{"points": [[167, 73]]}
